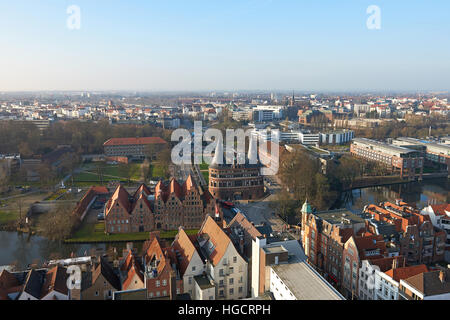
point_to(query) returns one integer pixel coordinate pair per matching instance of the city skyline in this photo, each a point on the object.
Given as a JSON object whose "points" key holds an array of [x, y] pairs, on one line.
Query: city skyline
{"points": [[233, 46]]}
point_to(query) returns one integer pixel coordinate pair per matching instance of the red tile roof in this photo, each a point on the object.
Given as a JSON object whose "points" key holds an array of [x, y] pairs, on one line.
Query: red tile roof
{"points": [[87, 198], [185, 247], [217, 236], [440, 209], [132, 269], [134, 141], [240, 219], [406, 272], [55, 279]]}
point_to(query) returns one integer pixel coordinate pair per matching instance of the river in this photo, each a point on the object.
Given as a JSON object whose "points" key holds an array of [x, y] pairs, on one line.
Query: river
{"points": [[23, 249]]}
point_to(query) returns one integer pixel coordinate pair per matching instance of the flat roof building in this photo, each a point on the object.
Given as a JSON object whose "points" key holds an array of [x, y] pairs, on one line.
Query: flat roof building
{"points": [[406, 161]]}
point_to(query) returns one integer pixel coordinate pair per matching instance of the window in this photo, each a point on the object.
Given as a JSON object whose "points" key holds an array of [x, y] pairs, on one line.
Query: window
{"points": [[234, 259], [164, 283], [231, 281], [231, 291], [158, 283]]}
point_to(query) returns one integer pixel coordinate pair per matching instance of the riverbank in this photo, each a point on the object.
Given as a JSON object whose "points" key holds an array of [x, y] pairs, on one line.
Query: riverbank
{"points": [[95, 233], [380, 181]]}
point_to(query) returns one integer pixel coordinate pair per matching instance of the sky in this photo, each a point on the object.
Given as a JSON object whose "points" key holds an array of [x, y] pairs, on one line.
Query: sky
{"points": [[193, 45]]}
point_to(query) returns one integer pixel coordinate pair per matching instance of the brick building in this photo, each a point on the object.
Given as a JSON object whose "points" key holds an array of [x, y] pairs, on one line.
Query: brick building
{"points": [[161, 279], [171, 206], [324, 235], [234, 181], [406, 162], [418, 240], [133, 148], [366, 246]]}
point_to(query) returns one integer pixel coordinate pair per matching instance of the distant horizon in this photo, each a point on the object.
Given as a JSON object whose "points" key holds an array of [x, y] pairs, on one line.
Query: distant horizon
{"points": [[239, 91]]}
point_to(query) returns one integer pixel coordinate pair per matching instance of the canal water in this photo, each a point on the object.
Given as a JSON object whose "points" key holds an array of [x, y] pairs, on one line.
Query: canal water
{"points": [[23, 249], [421, 194]]}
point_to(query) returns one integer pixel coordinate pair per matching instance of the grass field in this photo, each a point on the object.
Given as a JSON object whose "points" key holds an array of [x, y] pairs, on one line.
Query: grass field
{"points": [[7, 217], [10, 212], [96, 233], [110, 173], [157, 170], [204, 166], [206, 176]]}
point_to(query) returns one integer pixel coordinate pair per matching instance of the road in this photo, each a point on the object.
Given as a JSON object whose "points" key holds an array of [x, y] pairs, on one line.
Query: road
{"points": [[261, 211]]}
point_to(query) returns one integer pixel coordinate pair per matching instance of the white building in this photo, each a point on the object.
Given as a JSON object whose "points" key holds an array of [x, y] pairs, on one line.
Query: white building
{"points": [[281, 268], [440, 218], [224, 264]]}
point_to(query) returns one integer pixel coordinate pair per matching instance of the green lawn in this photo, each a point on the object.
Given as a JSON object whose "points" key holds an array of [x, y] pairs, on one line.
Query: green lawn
{"points": [[110, 173], [204, 166], [7, 217], [157, 170], [206, 176], [96, 233]]}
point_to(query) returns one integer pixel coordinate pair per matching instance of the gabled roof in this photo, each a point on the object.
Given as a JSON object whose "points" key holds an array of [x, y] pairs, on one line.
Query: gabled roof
{"points": [[108, 273], [8, 284], [163, 191], [385, 263], [55, 279], [406, 272], [248, 227], [441, 209], [185, 247], [121, 196], [7, 280], [142, 188], [370, 242], [189, 184], [33, 283], [87, 198], [429, 283], [217, 237], [141, 196], [132, 268], [155, 254]]}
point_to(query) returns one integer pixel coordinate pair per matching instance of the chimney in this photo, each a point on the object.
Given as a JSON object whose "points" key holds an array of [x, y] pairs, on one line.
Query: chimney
{"points": [[442, 276], [394, 263], [241, 244]]}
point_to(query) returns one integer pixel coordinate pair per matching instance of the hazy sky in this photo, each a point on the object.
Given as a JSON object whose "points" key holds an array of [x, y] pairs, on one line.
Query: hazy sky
{"points": [[224, 45]]}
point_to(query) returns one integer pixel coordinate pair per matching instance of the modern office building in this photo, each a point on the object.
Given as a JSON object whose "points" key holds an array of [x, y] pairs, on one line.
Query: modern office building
{"points": [[407, 162], [133, 148], [434, 153]]}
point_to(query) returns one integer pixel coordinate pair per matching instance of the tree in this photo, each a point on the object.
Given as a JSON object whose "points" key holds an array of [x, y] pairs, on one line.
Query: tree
{"points": [[4, 175], [125, 171], [46, 174], [59, 223]]}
